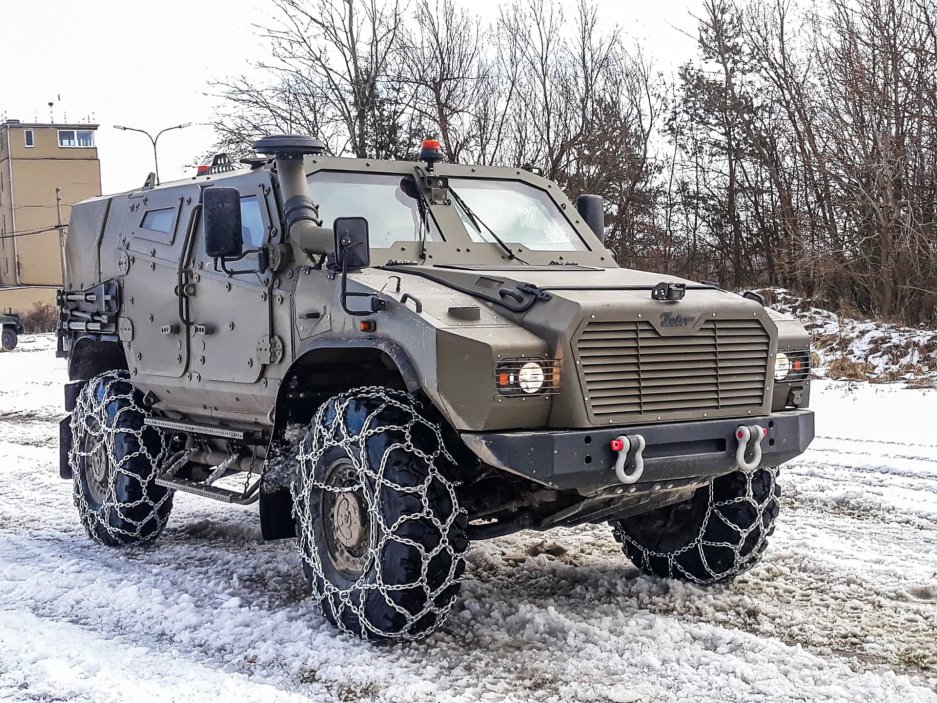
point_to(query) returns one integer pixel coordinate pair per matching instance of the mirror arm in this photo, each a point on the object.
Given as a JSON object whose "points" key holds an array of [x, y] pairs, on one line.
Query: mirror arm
{"points": [[262, 262], [377, 304]]}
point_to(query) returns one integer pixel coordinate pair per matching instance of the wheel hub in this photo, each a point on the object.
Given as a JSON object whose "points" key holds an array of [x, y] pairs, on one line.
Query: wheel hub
{"points": [[347, 528], [346, 516], [97, 474]]}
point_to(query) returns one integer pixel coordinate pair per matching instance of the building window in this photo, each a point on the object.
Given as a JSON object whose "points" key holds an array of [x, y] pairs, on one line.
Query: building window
{"points": [[29, 137], [70, 138]]}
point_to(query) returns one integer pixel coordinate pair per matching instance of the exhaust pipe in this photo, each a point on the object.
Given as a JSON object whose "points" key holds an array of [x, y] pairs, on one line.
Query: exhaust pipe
{"points": [[303, 225]]}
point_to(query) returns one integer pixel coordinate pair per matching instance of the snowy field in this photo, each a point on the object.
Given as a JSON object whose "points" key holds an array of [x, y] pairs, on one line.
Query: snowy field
{"points": [[843, 607]]}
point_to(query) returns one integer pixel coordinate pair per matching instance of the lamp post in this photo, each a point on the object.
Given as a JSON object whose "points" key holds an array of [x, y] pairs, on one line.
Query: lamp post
{"points": [[153, 139]]}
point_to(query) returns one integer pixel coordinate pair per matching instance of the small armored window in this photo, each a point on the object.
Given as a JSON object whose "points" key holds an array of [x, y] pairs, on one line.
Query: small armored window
{"points": [[85, 138], [67, 137], [160, 220], [29, 137]]}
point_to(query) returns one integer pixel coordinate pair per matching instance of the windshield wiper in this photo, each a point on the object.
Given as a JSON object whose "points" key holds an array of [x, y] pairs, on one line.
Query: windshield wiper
{"points": [[478, 224]]}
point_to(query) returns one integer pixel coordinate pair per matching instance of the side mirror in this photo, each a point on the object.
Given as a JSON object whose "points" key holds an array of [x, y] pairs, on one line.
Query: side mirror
{"points": [[221, 208], [592, 209], [352, 245]]}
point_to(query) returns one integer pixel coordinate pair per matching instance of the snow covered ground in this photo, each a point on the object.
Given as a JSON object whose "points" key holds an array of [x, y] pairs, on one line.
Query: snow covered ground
{"points": [[843, 607]]}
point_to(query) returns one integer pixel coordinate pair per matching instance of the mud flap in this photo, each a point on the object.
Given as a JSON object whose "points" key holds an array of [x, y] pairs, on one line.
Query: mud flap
{"points": [[65, 446], [276, 515]]}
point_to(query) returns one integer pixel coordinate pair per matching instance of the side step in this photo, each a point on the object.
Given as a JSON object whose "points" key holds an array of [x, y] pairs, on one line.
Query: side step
{"points": [[205, 491], [193, 428]]}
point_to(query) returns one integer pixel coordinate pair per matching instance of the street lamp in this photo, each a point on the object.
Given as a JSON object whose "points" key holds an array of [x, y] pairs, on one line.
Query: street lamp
{"points": [[153, 139]]}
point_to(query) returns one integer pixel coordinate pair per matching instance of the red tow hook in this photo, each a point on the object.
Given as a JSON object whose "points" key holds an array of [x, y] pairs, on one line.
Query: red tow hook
{"points": [[617, 445]]}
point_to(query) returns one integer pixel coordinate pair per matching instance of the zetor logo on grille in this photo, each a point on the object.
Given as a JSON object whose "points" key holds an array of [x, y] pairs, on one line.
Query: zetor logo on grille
{"points": [[669, 319]]}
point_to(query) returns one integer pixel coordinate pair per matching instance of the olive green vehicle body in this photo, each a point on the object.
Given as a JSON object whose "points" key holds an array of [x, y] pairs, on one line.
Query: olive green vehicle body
{"points": [[227, 351]]}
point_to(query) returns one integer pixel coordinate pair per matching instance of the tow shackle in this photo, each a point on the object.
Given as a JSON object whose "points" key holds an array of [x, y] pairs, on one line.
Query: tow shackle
{"points": [[749, 435], [629, 466]]}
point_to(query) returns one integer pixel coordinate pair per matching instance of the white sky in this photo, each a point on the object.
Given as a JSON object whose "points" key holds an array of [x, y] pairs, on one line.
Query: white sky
{"points": [[148, 64]]}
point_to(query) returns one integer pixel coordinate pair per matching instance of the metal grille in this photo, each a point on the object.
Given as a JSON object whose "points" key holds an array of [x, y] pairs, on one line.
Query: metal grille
{"points": [[630, 369]]}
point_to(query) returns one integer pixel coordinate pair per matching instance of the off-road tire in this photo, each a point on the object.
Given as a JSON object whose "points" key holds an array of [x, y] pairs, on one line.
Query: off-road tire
{"points": [[8, 339], [372, 454], [114, 460], [714, 536]]}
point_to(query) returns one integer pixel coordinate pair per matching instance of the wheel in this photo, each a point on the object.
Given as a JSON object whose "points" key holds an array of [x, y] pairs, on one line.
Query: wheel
{"points": [[381, 534], [717, 534], [8, 339], [114, 460]]}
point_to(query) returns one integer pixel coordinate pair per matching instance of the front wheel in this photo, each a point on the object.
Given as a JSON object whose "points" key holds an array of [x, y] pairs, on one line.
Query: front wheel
{"points": [[714, 536], [381, 533]]}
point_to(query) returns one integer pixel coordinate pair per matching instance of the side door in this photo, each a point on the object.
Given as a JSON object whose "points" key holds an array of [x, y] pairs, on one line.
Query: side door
{"points": [[155, 227], [231, 325]]}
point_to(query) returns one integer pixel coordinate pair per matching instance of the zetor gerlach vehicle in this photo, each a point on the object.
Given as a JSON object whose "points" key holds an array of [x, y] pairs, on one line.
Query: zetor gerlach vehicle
{"points": [[395, 358], [10, 330]]}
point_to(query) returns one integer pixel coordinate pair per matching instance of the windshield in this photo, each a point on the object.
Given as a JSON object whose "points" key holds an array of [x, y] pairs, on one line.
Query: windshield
{"points": [[516, 212], [393, 216]]}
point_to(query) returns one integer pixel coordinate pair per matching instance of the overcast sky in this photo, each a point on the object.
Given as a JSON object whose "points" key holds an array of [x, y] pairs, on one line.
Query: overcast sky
{"points": [[148, 65]]}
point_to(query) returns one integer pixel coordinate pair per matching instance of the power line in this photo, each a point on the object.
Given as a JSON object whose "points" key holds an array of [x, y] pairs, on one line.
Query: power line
{"points": [[27, 233]]}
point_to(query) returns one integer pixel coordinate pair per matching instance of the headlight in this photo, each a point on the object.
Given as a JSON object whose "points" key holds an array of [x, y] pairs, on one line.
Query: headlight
{"points": [[521, 377], [530, 377], [782, 366]]}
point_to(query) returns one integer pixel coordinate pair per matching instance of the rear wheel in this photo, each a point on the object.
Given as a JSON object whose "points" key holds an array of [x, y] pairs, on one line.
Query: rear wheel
{"points": [[381, 533], [114, 459], [719, 533], [8, 339]]}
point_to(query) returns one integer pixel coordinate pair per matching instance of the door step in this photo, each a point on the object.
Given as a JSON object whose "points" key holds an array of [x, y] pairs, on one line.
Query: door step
{"points": [[194, 428], [214, 492]]}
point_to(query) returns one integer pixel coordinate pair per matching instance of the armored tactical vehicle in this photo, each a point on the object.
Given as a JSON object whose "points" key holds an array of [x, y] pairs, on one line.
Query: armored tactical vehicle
{"points": [[395, 358], [10, 330]]}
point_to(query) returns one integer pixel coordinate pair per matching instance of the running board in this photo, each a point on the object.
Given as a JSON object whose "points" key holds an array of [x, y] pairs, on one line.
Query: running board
{"points": [[193, 428], [213, 492]]}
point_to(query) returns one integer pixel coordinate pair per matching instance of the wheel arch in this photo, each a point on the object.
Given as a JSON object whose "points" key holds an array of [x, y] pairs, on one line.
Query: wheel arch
{"points": [[93, 354], [320, 371]]}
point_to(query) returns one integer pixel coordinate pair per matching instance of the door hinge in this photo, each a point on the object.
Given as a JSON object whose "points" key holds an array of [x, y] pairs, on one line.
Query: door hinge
{"points": [[269, 349]]}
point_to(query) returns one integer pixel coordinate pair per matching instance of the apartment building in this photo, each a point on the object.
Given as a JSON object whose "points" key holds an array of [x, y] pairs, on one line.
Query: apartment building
{"points": [[44, 169]]}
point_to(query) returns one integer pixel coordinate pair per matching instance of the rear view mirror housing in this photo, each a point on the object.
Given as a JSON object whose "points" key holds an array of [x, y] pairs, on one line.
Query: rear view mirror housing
{"points": [[352, 244], [592, 209], [221, 210]]}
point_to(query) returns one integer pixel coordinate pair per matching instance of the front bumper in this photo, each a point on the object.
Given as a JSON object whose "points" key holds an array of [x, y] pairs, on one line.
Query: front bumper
{"points": [[678, 453]]}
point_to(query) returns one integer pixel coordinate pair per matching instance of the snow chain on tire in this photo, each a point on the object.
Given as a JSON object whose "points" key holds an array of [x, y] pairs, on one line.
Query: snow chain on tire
{"points": [[432, 575], [724, 533], [107, 426]]}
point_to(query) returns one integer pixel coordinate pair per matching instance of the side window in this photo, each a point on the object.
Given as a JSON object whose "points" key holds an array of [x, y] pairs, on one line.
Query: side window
{"points": [[253, 231], [29, 137], [160, 220]]}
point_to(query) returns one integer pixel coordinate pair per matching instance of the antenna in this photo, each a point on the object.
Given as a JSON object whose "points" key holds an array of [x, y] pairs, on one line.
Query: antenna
{"points": [[51, 116]]}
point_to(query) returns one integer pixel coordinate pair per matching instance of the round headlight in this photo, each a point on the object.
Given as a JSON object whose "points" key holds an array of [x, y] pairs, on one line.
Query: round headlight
{"points": [[530, 377], [782, 366]]}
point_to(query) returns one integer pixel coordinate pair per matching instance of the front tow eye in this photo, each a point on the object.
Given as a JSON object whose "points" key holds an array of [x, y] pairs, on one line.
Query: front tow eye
{"points": [[630, 463], [749, 435]]}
